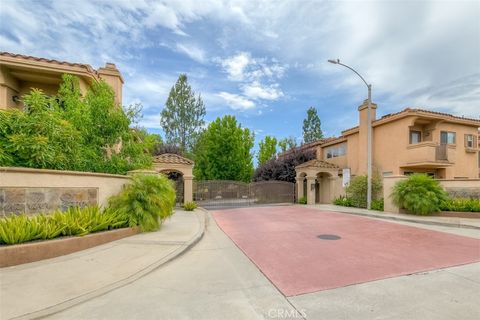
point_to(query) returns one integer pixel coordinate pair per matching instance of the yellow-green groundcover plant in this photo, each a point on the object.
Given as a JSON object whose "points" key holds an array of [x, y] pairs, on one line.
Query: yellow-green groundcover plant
{"points": [[73, 222], [145, 202]]}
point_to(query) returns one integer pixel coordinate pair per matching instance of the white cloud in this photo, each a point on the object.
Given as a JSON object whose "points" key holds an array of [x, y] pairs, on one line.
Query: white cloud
{"points": [[236, 102], [151, 121], [236, 66], [412, 52], [192, 51], [258, 77], [255, 90]]}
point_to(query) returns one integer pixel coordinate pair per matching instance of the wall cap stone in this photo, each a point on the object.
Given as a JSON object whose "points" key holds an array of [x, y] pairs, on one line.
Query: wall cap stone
{"points": [[61, 172]]}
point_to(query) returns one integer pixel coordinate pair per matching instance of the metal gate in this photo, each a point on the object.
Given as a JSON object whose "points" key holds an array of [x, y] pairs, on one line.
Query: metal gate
{"points": [[225, 194]]}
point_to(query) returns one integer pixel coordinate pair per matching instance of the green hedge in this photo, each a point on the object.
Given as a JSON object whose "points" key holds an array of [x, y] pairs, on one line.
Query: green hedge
{"points": [[461, 205], [377, 204], [73, 222], [357, 190]]}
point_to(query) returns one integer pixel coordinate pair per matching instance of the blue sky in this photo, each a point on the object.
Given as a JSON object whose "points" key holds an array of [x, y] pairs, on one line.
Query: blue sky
{"points": [[265, 61]]}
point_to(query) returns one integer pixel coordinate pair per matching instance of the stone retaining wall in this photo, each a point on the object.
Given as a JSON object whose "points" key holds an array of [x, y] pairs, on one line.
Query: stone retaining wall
{"points": [[39, 190]]}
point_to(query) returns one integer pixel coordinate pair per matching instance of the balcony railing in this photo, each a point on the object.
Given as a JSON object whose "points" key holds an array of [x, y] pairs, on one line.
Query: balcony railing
{"points": [[428, 152], [441, 152]]}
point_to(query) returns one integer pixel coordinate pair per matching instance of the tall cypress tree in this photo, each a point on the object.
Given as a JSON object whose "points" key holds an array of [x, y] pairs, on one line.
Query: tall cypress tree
{"points": [[312, 126], [182, 117]]}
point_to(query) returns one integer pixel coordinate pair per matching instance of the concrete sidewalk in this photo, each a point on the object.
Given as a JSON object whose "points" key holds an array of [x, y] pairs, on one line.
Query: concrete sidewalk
{"points": [[429, 220], [44, 287]]}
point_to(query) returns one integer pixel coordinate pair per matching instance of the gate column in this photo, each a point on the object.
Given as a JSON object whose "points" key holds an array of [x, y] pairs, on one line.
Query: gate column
{"points": [[299, 187], [311, 190], [188, 189]]}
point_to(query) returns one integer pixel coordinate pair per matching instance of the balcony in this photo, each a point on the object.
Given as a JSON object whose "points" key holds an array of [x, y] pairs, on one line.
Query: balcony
{"points": [[429, 155]]}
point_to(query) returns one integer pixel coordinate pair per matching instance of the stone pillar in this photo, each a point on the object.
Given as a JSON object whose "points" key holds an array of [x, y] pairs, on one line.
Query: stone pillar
{"points": [[299, 187], [311, 190], [187, 189], [388, 183]]}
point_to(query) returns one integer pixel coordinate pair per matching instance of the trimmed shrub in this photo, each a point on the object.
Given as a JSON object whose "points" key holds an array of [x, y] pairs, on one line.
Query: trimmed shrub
{"points": [[190, 206], [146, 202], [73, 222], [302, 200], [357, 190], [461, 205], [343, 201], [283, 168], [377, 204], [419, 194]]}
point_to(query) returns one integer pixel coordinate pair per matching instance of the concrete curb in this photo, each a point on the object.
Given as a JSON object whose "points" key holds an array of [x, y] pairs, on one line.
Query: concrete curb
{"points": [[201, 216], [427, 222]]}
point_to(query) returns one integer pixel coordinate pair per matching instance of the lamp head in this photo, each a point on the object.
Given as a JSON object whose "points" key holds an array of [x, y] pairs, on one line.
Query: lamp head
{"points": [[334, 61]]}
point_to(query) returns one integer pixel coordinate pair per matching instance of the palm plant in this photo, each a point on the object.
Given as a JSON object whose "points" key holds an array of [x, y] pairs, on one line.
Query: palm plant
{"points": [[419, 194], [147, 201]]}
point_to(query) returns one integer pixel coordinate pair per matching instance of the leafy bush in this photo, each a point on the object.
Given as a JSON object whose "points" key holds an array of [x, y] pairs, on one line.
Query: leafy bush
{"points": [[377, 204], [71, 132], [190, 206], [357, 190], [73, 222], [147, 201], [343, 201], [419, 194], [461, 205], [283, 168], [302, 200]]}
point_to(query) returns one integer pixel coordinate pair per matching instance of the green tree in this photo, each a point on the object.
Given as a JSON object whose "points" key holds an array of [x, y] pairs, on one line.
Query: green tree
{"points": [[287, 143], [182, 117], [267, 149], [224, 151], [71, 132], [312, 126]]}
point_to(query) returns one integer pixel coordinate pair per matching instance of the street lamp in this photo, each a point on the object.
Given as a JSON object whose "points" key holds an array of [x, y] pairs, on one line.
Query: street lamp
{"points": [[369, 133]]}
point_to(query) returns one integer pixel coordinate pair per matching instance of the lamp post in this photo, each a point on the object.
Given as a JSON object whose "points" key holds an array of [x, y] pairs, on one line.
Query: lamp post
{"points": [[369, 133]]}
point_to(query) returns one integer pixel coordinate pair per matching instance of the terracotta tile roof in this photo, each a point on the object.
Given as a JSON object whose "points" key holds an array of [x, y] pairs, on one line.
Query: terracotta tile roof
{"points": [[413, 110], [172, 159], [32, 58], [308, 145], [408, 110], [318, 164]]}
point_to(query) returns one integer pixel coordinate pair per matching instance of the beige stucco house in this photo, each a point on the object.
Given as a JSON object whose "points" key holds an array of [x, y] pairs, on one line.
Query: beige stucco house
{"points": [[413, 140], [20, 73]]}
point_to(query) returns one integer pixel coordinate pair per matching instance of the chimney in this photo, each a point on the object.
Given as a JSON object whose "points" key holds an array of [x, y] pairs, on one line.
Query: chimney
{"points": [[112, 76], [362, 134]]}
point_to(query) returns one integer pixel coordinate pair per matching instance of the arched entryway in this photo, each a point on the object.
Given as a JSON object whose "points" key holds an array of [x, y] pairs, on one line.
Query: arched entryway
{"points": [[317, 180], [177, 178], [180, 170]]}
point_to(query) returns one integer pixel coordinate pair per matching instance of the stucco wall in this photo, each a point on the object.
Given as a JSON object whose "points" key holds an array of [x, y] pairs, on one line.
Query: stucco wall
{"points": [[450, 185], [24, 178]]}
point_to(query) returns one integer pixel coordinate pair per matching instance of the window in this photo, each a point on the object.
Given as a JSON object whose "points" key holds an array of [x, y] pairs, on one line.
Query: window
{"points": [[447, 137], [415, 137], [336, 151], [470, 141]]}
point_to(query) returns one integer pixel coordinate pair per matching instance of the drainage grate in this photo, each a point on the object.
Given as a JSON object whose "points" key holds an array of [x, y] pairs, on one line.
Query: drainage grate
{"points": [[329, 237]]}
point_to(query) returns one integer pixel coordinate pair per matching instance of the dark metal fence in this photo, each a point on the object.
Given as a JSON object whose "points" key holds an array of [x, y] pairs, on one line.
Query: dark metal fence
{"points": [[223, 194]]}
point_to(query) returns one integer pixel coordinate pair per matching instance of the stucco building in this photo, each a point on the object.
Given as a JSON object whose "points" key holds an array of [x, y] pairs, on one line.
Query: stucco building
{"points": [[410, 141], [20, 73]]}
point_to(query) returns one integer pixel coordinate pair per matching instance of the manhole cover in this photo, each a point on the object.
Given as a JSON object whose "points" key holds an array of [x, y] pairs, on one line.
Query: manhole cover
{"points": [[329, 237]]}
